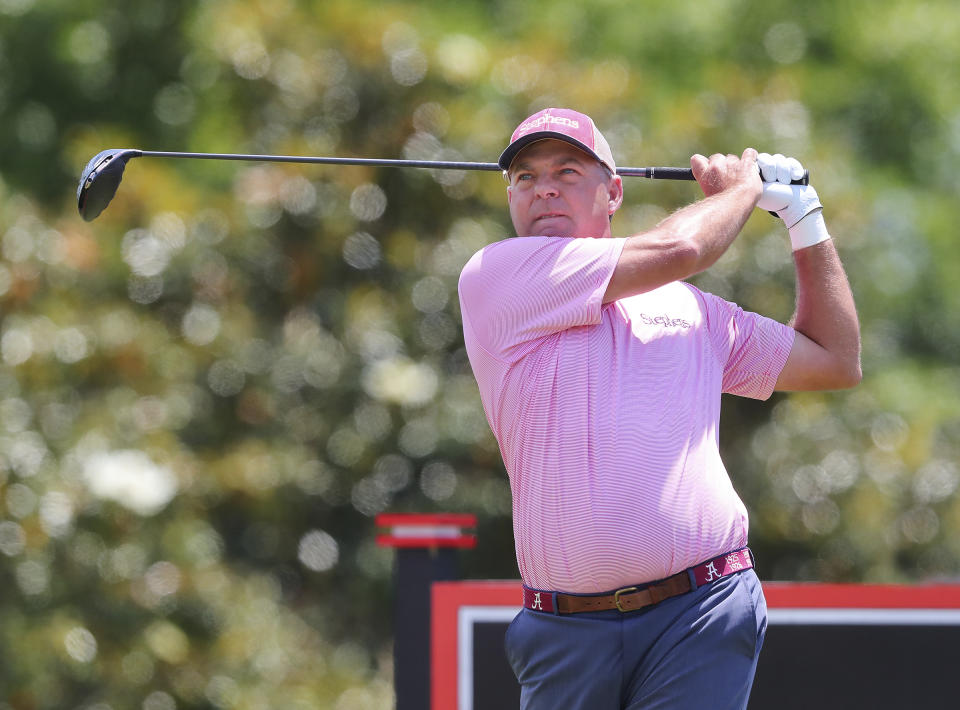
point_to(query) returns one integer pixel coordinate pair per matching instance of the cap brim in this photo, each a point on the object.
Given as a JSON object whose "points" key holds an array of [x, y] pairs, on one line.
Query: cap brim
{"points": [[506, 158]]}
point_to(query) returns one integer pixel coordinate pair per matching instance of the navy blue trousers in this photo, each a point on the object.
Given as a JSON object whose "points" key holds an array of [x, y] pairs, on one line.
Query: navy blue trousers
{"points": [[698, 650]]}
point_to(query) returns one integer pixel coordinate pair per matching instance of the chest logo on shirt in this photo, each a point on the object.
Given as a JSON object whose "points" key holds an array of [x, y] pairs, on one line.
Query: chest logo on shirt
{"points": [[665, 321]]}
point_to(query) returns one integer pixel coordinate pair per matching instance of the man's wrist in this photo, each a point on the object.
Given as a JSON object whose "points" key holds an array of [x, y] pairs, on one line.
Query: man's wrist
{"points": [[809, 231]]}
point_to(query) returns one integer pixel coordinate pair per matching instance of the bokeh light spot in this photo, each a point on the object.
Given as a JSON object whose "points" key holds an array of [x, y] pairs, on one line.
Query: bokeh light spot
{"points": [[368, 202], [785, 42], [201, 324], [318, 551], [80, 644], [361, 251], [438, 480]]}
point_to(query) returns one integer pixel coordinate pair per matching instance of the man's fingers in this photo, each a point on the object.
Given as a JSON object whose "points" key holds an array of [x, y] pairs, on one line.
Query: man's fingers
{"points": [[768, 167], [796, 169], [783, 169], [720, 170], [778, 168], [775, 196], [698, 163]]}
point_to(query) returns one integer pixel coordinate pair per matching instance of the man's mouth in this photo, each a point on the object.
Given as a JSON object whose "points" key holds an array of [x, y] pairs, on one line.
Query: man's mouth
{"points": [[549, 215]]}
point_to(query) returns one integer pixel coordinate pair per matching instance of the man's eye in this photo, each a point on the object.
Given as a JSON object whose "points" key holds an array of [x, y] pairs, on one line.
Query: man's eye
{"points": [[568, 171], [524, 176]]}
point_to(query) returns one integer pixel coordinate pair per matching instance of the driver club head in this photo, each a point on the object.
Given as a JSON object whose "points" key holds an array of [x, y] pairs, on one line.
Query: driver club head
{"points": [[100, 180]]}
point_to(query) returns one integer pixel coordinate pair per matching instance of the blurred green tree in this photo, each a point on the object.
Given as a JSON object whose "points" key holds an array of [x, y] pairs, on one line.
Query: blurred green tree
{"points": [[208, 393]]}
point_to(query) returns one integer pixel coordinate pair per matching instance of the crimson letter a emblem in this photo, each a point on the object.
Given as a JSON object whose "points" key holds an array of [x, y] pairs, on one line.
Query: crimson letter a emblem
{"points": [[712, 573]]}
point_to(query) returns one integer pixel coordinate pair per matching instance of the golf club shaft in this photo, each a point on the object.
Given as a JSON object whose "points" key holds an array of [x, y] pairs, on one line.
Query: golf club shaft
{"points": [[658, 173]]}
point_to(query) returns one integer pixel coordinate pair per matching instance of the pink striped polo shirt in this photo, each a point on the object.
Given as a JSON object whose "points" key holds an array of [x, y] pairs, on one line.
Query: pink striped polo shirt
{"points": [[607, 415]]}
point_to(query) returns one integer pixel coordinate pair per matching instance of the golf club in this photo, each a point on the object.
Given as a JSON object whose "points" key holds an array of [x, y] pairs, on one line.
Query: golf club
{"points": [[101, 178]]}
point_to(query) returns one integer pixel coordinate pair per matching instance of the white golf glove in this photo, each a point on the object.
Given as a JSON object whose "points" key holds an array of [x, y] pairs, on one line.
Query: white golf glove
{"points": [[797, 205]]}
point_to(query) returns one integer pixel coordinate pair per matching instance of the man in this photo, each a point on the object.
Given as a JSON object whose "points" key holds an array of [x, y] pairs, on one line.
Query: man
{"points": [[600, 373]]}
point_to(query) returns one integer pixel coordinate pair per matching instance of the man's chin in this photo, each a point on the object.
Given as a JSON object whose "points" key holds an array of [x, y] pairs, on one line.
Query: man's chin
{"points": [[552, 228], [568, 233]]}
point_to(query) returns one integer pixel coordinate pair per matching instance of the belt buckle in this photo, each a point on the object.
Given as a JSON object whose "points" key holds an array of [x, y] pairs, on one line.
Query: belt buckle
{"points": [[617, 594]]}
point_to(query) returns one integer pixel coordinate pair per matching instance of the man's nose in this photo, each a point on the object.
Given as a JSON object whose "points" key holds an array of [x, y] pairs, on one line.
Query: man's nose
{"points": [[547, 187]]}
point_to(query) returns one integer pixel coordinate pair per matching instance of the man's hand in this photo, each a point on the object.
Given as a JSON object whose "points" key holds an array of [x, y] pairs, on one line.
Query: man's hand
{"points": [[694, 237], [797, 205], [719, 173], [791, 203]]}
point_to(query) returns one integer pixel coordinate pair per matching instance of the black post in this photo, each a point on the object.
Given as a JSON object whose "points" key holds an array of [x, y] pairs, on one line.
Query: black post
{"points": [[426, 553], [415, 571]]}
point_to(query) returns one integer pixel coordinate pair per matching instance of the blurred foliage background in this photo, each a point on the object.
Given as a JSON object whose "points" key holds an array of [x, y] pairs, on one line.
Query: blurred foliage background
{"points": [[208, 393]]}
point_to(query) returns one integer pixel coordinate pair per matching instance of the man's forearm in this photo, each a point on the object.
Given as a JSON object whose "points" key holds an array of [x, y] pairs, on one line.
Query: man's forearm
{"points": [[825, 309], [710, 224], [685, 243]]}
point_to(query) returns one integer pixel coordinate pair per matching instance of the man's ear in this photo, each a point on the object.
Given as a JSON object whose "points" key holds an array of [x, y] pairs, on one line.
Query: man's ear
{"points": [[615, 192], [509, 194]]}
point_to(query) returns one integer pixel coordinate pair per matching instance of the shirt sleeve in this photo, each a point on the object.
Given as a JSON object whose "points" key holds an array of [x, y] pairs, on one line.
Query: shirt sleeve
{"points": [[753, 348], [521, 289]]}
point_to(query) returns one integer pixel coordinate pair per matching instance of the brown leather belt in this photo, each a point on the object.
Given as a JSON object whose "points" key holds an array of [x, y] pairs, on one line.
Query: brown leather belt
{"points": [[640, 596]]}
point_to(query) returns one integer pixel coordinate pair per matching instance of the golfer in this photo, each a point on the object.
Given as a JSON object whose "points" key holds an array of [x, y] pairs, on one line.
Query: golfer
{"points": [[600, 372]]}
